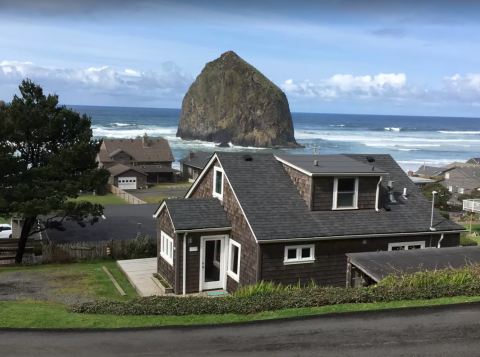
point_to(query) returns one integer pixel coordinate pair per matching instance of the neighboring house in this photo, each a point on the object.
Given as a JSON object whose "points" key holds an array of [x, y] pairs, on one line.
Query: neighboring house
{"points": [[474, 160], [421, 182], [429, 171], [461, 178], [148, 158], [291, 218], [192, 166]]}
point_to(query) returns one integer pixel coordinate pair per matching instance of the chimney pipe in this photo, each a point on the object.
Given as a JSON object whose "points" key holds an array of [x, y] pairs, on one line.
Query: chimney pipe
{"points": [[315, 162], [145, 140], [191, 155], [410, 173]]}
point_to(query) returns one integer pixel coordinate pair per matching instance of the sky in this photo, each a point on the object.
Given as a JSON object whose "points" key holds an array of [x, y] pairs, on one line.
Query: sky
{"points": [[329, 56]]}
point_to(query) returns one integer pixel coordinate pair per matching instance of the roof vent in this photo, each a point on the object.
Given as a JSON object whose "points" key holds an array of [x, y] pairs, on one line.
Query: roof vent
{"points": [[370, 159], [247, 157], [315, 162], [387, 208]]}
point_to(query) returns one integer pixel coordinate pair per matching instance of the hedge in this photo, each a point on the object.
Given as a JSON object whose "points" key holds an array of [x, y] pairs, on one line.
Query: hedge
{"points": [[307, 297]]}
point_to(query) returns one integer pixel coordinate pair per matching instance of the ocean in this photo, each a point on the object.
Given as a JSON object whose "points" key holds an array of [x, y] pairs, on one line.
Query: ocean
{"points": [[412, 141]]}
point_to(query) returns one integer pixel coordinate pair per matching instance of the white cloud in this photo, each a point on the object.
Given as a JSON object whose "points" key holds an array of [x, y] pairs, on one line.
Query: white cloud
{"points": [[387, 87], [171, 83]]}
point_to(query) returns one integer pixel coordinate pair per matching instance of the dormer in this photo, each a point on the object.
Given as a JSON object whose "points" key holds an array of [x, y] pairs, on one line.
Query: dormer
{"points": [[334, 182]]}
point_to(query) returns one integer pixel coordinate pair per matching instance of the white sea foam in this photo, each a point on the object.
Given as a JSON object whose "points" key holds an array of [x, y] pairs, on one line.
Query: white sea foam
{"points": [[408, 149], [338, 125], [132, 133], [460, 132], [393, 129], [124, 124]]}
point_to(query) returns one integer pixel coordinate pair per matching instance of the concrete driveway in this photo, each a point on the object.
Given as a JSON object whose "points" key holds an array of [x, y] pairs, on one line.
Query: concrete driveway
{"points": [[159, 192], [441, 331]]}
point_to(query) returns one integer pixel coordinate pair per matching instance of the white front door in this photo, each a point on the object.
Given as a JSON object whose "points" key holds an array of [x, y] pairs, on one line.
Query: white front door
{"points": [[212, 262], [127, 183]]}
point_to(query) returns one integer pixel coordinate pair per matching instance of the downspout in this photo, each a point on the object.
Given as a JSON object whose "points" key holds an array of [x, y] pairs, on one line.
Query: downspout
{"points": [[378, 193], [185, 264], [440, 241]]}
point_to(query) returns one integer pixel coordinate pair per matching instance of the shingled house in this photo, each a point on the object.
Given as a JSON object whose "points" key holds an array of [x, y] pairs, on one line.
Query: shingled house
{"points": [[292, 218], [192, 166], [135, 162]]}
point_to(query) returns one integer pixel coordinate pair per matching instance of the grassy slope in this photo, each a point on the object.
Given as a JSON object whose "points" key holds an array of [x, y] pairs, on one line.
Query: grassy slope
{"points": [[104, 200], [43, 315], [4, 220], [475, 228], [154, 199], [169, 184]]}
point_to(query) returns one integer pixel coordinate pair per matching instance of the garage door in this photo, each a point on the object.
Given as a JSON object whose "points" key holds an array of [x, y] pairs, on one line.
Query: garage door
{"points": [[127, 183]]}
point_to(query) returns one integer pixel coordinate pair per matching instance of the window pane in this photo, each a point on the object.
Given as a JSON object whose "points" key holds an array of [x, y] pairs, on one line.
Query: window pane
{"points": [[414, 247], [306, 253], [218, 182], [345, 199], [398, 248], [292, 253], [346, 184], [235, 254]]}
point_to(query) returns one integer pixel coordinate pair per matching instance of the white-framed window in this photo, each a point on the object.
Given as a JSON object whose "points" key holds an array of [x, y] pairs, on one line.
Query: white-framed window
{"points": [[406, 245], [461, 190], [450, 188], [166, 247], [447, 175], [218, 177], [345, 193], [299, 254], [234, 251]]}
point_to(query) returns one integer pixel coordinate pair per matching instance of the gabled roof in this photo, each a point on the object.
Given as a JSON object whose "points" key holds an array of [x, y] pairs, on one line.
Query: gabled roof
{"points": [[378, 265], [475, 159], [158, 150], [430, 170], [328, 165], [276, 211], [199, 161], [196, 214], [120, 169]]}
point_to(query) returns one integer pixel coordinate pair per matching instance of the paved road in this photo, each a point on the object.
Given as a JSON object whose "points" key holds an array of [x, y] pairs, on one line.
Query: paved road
{"points": [[451, 331], [159, 192]]}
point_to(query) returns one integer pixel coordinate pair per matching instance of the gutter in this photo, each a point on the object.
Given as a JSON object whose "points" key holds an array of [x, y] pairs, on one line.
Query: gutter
{"points": [[440, 241], [203, 230], [184, 277]]}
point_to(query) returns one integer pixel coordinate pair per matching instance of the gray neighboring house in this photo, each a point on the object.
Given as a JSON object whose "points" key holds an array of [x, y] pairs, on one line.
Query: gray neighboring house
{"points": [[429, 171], [474, 160], [461, 178], [192, 166]]}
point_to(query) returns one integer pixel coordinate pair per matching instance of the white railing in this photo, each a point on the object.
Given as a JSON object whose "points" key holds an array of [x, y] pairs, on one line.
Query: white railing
{"points": [[471, 205]]}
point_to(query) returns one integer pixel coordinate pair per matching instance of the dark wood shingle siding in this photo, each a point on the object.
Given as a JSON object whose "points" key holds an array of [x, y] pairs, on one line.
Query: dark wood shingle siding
{"points": [[164, 268], [329, 268], [323, 193], [241, 232], [302, 182], [367, 192]]}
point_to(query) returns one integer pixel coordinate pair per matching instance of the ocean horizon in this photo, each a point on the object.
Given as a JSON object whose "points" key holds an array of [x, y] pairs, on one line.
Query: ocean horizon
{"points": [[411, 140]]}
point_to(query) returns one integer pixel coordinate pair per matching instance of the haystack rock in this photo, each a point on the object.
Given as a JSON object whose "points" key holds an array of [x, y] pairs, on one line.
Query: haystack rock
{"points": [[231, 101]]}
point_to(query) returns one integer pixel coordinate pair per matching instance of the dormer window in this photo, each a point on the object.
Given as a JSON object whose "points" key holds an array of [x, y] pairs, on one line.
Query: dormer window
{"points": [[218, 183], [345, 193]]}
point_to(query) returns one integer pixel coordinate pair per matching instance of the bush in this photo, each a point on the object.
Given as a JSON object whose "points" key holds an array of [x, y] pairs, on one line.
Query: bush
{"points": [[466, 241], [445, 214], [270, 297]]}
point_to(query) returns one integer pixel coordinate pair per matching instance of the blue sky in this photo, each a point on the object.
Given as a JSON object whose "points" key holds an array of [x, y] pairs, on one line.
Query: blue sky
{"points": [[342, 56]]}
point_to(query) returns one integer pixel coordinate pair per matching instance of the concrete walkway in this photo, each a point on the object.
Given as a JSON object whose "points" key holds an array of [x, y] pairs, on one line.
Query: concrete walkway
{"points": [[139, 273]]}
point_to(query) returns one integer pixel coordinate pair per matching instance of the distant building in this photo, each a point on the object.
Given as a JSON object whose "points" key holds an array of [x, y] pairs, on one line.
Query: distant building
{"points": [[422, 182], [474, 160], [192, 165], [135, 162], [461, 178], [429, 171]]}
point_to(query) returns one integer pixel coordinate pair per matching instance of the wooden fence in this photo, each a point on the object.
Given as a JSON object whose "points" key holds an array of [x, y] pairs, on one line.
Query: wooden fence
{"points": [[124, 195], [145, 247], [8, 249]]}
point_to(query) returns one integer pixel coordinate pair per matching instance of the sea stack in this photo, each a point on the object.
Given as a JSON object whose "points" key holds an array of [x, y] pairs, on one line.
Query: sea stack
{"points": [[231, 101]]}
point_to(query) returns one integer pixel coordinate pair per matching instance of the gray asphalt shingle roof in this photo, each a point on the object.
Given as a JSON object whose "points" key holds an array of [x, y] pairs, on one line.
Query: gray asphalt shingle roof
{"points": [[276, 210], [199, 161], [197, 213], [329, 164], [430, 170], [378, 265]]}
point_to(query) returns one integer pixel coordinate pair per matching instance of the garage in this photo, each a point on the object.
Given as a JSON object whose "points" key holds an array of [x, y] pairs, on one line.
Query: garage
{"points": [[127, 183]]}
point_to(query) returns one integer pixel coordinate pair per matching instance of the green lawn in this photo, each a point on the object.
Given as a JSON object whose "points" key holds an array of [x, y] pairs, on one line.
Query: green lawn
{"points": [[475, 228], [105, 200], [4, 220], [169, 184], [153, 199], [30, 314]]}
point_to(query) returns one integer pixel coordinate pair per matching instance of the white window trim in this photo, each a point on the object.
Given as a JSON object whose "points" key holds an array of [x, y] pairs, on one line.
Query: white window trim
{"points": [[299, 259], [335, 193], [447, 175], [230, 273], [214, 193], [450, 188], [406, 244], [166, 247], [461, 190]]}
